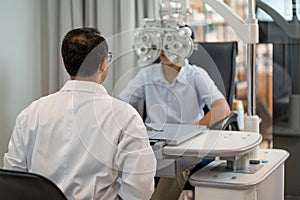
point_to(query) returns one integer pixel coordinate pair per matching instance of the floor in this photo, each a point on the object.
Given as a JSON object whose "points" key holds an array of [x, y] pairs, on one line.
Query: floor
{"points": [[186, 195]]}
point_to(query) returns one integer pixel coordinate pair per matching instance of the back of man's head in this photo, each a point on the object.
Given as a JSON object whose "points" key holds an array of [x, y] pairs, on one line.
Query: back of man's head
{"points": [[83, 50]]}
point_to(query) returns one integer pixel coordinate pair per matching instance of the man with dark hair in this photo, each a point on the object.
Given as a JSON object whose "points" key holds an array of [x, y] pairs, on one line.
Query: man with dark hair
{"points": [[77, 46], [91, 145]]}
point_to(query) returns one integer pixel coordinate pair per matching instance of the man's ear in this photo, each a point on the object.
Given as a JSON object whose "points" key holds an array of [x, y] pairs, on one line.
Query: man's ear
{"points": [[63, 63], [103, 66]]}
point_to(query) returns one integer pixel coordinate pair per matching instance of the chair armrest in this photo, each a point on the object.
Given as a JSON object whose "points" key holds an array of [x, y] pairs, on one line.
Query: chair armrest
{"points": [[227, 123]]}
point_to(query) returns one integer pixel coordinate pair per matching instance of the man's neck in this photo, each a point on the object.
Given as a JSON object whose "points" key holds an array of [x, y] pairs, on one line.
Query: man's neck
{"points": [[87, 78], [170, 72]]}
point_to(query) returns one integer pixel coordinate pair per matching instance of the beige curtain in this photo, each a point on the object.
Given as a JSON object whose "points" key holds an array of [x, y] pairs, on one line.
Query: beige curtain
{"points": [[116, 19], [129, 17], [57, 17]]}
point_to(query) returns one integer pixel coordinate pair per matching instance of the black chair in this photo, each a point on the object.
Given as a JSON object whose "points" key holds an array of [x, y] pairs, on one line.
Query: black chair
{"points": [[16, 185], [219, 60]]}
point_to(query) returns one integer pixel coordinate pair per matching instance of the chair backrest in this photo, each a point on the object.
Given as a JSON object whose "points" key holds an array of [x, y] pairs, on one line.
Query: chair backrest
{"points": [[219, 60], [16, 185]]}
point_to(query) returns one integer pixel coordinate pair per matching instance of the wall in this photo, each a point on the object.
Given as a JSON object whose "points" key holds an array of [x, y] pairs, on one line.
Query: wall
{"points": [[19, 61]]}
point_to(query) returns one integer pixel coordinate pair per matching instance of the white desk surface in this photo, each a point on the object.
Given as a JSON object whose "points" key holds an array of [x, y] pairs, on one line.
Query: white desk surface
{"points": [[207, 177], [216, 143]]}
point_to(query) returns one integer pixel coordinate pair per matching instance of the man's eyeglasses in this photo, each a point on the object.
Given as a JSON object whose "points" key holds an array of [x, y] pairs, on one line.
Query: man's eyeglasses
{"points": [[109, 57]]}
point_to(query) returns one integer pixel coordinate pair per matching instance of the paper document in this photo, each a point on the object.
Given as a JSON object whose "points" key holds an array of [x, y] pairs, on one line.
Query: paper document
{"points": [[173, 134]]}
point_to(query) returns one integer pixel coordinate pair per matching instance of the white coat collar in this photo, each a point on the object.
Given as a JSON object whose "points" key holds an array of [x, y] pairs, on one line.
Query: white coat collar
{"points": [[83, 86]]}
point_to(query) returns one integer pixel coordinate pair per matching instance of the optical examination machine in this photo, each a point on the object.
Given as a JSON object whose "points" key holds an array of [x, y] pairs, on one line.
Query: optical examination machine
{"points": [[240, 169]]}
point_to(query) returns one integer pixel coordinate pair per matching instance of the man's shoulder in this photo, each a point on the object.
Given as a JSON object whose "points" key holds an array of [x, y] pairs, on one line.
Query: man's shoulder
{"points": [[121, 105], [148, 73], [195, 68], [34, 107], [44, 98], [123, 110], [194, 71]]}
